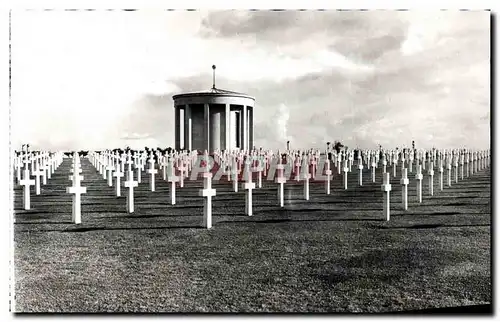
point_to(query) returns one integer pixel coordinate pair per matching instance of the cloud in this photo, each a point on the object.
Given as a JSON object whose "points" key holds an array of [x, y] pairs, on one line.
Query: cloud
{"points": [[135, 136], [361, 77]]}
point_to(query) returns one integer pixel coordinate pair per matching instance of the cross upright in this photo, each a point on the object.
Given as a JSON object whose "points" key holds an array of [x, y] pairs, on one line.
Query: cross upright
{"points": [[248, 186], [360, 172], [281, 180], [26, 182], [441, 173], [130, 184], [207, 192], [152, 171], [313, 167], [235, 172], [172, 178], [118, 174], [386, 188], [109, 168], [328, 173], [404, 182], [419, 178], [346, 170], [431, 177], [37, 173], [76, 190], [306, 176]]}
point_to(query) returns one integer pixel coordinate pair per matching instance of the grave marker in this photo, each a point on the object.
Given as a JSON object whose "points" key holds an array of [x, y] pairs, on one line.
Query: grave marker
{"points": [[152, 171], [346, 169], [77, 190], [431, 178], [207, 192], [26, 182], [118, 174], [360, 168], [419, 178], [404, 183], [249, 186], [328, 173], [306, 176], [281, 180], [130, 184], [386, 188]]}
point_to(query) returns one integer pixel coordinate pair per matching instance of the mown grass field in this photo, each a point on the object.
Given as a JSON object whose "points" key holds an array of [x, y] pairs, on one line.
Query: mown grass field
{"points": [[329, 254]]}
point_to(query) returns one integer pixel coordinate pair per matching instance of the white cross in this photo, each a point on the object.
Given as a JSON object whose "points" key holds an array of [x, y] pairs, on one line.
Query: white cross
{"points": [[172, 178], [386, 188], [404, 182], [441, 173], [449, 172], [110, 168], [118, 174], [346, 170], [248, 186], [182, 172], [280, 179], [297, 168], [455, 165], [384, 163], [313, 168], [431, 178], [76, 190], [164, 165], [43, 168], [130, 184], [419, 178], [360, 168], [259, 169], [207, 192], [328, 173], [26, 182], [139, 168], [102, 167], [235, 172], [395, 165], [374, 167], [37, 173], [17, 165], [305, 176], [152, 171]]}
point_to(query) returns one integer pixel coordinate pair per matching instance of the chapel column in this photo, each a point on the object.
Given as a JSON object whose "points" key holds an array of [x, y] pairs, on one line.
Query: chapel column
{"points": [[250, 128], [206, 127], [177, 127], [228, 129], [188, 128], [244, 139]]}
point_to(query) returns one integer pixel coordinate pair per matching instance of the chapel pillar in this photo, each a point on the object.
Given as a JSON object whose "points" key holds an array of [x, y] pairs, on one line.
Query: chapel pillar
{"points": [[188, 128], [177, 127]]}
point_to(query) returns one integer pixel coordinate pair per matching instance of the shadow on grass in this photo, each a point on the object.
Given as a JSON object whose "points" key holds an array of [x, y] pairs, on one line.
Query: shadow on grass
{"points": [[89, 229], [469, 309], [43, 223], [149, 216], [38, 212], [442, 213], [275, 221], [430, 226]]}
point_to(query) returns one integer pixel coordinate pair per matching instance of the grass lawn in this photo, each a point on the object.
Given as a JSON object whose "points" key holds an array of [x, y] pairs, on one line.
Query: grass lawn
{"points": [[329, 254]]}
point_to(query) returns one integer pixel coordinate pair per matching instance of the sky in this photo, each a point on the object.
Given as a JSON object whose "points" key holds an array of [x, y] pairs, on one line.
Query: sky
{"points": [[93, 80]]}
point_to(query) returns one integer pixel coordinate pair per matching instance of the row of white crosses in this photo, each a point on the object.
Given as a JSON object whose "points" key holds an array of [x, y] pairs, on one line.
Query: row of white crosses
{"points": [[232, 162], [44, 165], [115, 163]]}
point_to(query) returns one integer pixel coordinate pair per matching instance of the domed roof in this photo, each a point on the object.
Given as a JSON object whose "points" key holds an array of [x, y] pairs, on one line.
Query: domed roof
{"points": [[213, 92]]}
